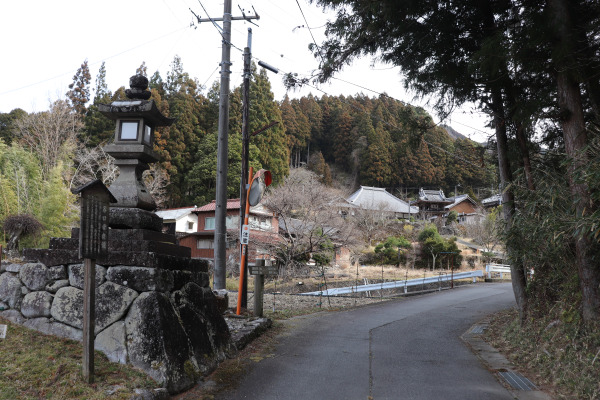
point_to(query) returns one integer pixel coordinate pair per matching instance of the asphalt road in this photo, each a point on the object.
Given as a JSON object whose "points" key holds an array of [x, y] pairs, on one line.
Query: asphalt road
{"points": [[405, 349]]}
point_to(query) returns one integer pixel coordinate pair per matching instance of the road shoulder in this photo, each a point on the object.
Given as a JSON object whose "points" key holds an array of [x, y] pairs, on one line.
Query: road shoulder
{"points": [[520, 387]]}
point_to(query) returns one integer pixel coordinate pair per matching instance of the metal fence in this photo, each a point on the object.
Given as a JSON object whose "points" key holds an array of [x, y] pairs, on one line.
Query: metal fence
{"points": [[397, 284], [500, 268]]}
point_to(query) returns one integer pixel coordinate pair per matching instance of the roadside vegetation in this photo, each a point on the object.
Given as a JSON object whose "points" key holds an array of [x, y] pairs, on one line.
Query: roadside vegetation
{"points": [[556, 351], [37, 366]]}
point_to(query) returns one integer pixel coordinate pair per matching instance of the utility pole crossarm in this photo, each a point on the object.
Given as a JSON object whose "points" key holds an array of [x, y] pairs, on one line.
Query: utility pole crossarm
{"points": [[232, 19]]}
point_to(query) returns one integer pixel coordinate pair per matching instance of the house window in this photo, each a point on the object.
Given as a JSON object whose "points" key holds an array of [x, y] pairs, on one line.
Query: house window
{"points": [[190, 226], [232, 221], [261, 223], [204, 244], [209, 224], [253, 222]]}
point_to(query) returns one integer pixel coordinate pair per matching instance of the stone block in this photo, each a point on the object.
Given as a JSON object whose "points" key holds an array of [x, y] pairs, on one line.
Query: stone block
{"points": [[111, 341], [112, 303], [57, 272], [54, 286], [149, 246], [52, 257], [48, 327], [201, 301], [37, 304], [222, 299], [67, 306], [141, 279], [3, 306], [129, 243], [13, 267], [76, 275], [34, 276], [151, 260], [157, 343], [180, 278], [134, 218], [13, 316], [124, 235], [10, 290], [151, 394], [64, 243]]}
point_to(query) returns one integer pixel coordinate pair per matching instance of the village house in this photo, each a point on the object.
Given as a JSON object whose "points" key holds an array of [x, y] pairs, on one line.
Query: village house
{"points": [[179, 220], [263, 230], [432, 203], [379, 200], [493, 201], [465, 207]]}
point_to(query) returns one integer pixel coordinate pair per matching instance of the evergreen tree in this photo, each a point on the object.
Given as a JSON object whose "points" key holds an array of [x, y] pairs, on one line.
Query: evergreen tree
{"points": [[157, 83], [301, 136], [142, 69], [98, 129], [376, 165], [272, 143], [344, 137], [7, 124], [186, 106], [311, 108], [318, 165], [79, 93]]}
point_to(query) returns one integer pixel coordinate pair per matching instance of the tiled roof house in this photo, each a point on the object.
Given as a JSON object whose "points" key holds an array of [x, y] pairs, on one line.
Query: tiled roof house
{"points": [[378, 199]]}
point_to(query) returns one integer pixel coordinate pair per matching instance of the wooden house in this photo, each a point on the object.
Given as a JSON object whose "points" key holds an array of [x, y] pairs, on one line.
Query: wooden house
{"points": [[263, 230], [432, 203]]}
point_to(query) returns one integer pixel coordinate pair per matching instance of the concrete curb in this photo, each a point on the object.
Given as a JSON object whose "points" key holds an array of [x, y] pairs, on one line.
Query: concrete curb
{"points": [[496, 363]]}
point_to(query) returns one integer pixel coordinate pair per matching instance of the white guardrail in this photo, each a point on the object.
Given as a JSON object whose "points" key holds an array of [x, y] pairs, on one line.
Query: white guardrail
{"points": [[396, 284], [501, 268]]}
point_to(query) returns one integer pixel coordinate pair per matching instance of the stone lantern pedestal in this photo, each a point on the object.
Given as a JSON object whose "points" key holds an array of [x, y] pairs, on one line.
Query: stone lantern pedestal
{"points": [[154, 305]]}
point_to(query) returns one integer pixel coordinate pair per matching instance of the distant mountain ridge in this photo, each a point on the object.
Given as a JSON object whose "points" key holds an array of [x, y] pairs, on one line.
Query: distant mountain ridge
{"points": [[454, 134]]}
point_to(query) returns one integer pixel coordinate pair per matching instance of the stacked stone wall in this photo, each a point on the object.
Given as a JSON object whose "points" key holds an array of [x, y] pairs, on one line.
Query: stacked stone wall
{"points": [[160, 320]]}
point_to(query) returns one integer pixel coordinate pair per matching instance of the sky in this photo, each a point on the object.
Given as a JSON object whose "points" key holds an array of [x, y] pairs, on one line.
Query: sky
{"points": [[44, 43]]}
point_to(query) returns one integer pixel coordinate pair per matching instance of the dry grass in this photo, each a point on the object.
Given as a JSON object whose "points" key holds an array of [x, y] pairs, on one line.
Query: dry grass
{"points": [[37, 366], [557, 352]]}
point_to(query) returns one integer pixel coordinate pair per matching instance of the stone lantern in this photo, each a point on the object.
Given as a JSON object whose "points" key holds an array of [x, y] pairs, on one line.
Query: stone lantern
{"points": [[136, 120]]}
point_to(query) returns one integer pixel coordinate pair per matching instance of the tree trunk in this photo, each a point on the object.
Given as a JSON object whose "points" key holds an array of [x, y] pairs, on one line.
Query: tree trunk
{"points": [[522, 140], [518, 272], [575, 138]]}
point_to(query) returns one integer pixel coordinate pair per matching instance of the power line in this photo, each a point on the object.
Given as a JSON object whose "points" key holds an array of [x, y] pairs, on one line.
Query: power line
{"points": [[310, 30], [92, 63]]}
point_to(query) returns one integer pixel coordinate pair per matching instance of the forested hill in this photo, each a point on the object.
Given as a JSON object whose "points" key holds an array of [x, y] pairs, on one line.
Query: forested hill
{"points": [[382, 142], [367, 141]]}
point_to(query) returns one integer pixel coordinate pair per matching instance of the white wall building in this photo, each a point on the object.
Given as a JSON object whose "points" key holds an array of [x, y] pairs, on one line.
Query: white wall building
{"points": [[182, 219]]}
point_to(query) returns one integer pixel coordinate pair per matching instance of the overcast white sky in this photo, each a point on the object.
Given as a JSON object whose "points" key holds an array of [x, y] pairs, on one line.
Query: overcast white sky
{"points": [[43, 43]]}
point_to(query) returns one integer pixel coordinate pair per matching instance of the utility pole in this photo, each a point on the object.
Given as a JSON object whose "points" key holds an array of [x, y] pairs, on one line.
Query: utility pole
{"points": [[245, 157], [222, 143]]}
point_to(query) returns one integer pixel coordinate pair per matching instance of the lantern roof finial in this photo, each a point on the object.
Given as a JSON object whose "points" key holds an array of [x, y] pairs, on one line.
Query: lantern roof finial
{"points": [[138, 84]]}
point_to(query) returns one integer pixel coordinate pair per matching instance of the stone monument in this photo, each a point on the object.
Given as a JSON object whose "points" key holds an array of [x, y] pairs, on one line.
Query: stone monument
{"points": [[154, 306]]}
